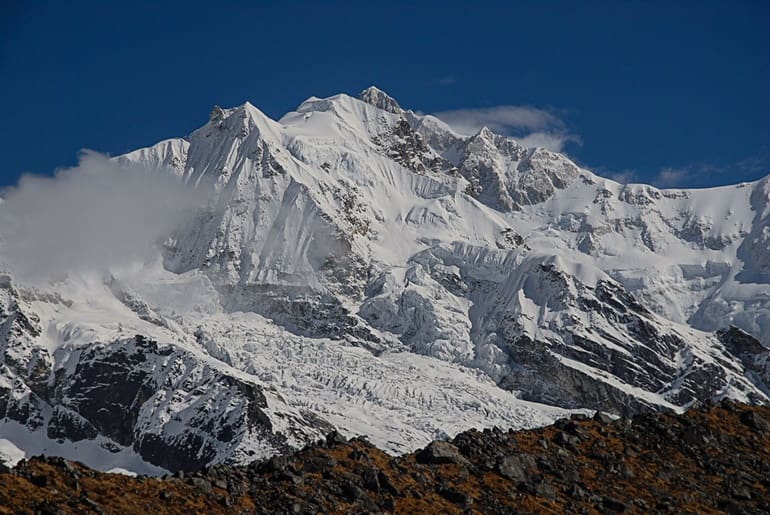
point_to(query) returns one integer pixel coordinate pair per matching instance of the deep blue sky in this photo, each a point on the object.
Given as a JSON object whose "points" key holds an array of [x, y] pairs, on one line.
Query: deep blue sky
{"points": [[676, 94]]}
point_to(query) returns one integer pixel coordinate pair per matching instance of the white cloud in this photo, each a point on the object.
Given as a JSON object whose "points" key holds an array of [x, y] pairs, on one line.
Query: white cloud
{"points": [[447, 81], [530, 125], [550, 140], [499, 118], [710, 174], [667, 177], [90, 217], [695, 175], [672, 177], [624, 176]]}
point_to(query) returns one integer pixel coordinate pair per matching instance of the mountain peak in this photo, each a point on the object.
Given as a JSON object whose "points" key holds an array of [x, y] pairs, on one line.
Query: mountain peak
{"points": [[379, 99], [485, 132]]}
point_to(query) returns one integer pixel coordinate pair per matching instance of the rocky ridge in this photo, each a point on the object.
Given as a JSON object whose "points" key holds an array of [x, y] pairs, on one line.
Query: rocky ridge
{"points": [[713, 459]]}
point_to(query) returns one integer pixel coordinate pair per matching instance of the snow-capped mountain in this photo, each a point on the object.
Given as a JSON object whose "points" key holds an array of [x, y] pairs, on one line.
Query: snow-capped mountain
{"points": [[365, 268]]}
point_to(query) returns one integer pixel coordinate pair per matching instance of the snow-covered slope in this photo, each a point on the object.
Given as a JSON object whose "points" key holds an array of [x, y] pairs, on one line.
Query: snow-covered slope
{"points": [[365, 268]]}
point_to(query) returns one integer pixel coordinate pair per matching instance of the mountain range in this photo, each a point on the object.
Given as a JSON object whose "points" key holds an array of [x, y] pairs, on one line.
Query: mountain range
{"points": [[363, 268]]}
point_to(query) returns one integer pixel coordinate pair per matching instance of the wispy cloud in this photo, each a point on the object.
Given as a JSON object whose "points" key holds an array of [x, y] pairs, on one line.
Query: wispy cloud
{"points": [[623, 176], [696, 175], [447, 81], [672, 177], [500, 118], [531, 125], [710, 174], [551, 140]]}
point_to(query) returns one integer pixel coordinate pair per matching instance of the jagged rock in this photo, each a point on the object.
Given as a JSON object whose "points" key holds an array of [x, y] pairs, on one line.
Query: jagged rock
{"points": [[567, 440], [602, 417], [694, 435], [201, 484], [387, 484], [454, 496], [545, 491], [516, 467], [370, 480], [756, 422], [614, 505], [577, 492], [441, 452], [351, 491], [66, 424], [335, 438]]}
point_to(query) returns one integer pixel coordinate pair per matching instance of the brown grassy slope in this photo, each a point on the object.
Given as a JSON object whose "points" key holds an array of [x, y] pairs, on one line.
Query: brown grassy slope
{"points": [[712, 460]]}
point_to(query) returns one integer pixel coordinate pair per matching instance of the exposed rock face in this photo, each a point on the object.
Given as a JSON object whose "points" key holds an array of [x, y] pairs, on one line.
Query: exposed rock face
{"points": [[380, 100], [620, 337], [557, 338], [715, 459], [752, 354], [507, 176], [119, 391], [25, 366], [172, 408]]}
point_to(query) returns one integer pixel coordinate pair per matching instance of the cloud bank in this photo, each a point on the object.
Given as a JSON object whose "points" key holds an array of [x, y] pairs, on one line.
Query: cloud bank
{"points": [[89, 218], [533, 127]]}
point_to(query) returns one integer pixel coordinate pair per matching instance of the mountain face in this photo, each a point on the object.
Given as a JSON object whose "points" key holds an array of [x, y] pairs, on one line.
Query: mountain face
{"points": [[363, 268]]}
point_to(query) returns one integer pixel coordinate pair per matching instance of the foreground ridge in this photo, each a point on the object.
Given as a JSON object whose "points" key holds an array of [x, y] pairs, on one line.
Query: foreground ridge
{"points": [[707, 460]]}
